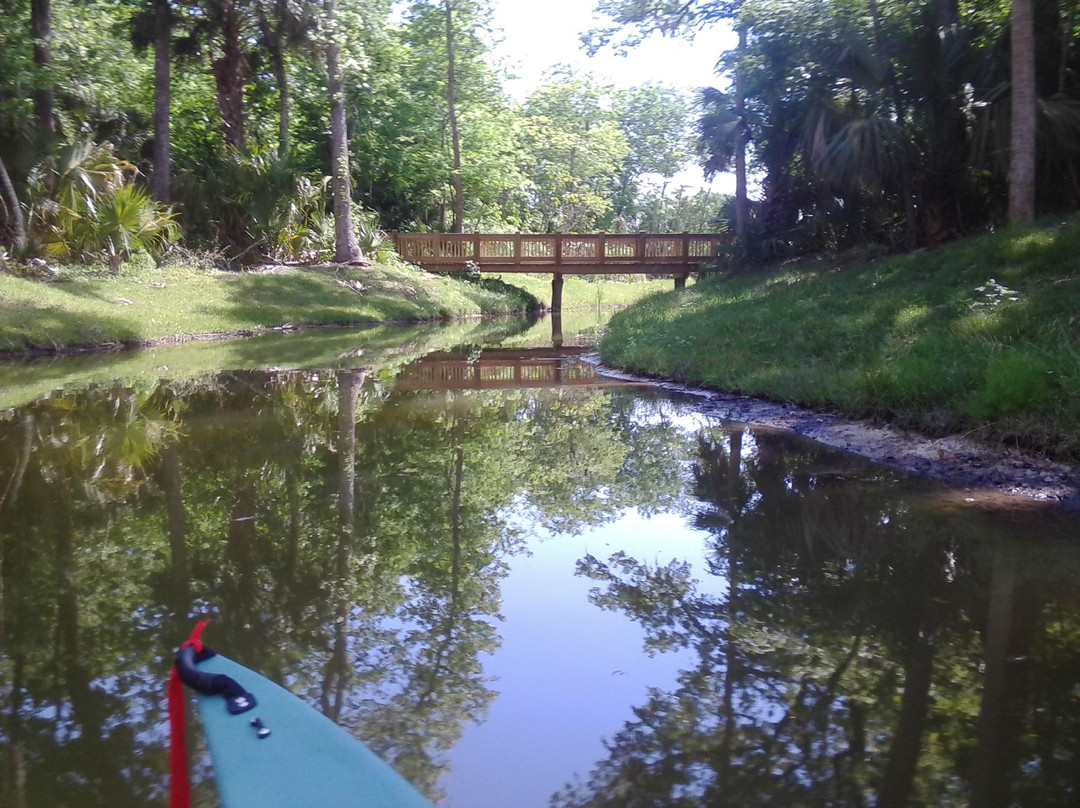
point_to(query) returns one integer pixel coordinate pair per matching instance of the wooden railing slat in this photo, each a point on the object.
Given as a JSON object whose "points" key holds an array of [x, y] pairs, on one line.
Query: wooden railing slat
{"points": [[639, 252]]}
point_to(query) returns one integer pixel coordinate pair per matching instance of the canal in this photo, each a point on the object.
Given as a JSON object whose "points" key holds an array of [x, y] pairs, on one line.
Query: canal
{"points": [[522, 583]]}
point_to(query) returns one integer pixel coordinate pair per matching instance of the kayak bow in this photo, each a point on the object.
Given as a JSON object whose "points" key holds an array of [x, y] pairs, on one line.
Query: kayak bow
{"points": [[269, 748]]}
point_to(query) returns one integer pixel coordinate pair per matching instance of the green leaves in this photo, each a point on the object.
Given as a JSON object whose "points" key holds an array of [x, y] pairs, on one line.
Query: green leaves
{"points": [[128, 220], [84, 206]]}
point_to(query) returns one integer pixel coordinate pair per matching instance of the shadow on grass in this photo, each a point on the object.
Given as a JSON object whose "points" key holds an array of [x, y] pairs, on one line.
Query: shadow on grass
{"points": [[26, 325], [313, 296]]}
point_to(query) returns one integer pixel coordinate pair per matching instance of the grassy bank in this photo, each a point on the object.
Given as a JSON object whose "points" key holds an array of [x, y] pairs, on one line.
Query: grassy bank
{"points": [[145, 304], [981, 336], [582, 293]]}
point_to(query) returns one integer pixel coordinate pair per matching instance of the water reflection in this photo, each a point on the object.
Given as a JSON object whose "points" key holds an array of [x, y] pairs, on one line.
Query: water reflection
{"points": [[353, 534], [497, 369], [865, 651], [348, 536]]}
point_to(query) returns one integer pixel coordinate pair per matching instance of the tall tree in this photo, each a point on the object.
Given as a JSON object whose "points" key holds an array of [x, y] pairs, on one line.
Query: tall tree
{"points": [[229, 68], [573, 151], [634, 20], [162, 165], [282, 24], [742, 203], [1022, 134], [451, 109], [41, 25], [446, 51], [346, 247]]}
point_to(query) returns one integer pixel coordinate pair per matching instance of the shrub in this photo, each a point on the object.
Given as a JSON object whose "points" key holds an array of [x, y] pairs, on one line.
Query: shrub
{"points": [[84, 205]]}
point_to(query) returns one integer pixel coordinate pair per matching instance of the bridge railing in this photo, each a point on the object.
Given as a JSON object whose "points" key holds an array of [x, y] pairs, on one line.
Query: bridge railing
{"points": [[493, 369], [558, 252]]}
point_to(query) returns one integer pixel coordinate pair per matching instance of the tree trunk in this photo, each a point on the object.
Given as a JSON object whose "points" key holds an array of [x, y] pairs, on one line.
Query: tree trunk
{"points": [[1022, 136], [41, 26], [453, 608], [159, 180], [242, 553], [10, 495], [346, 248], [273, 37], [229, 76], [284, 102], [742, 204], [336, 674], [1013, 611], [899, 778], [176, 513], [457, 226], [12, 209], [898, 781]]}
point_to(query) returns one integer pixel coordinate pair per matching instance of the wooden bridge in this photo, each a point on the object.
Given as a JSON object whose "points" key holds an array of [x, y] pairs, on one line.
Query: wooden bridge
{"points": [[676, 254], [497, 369]]}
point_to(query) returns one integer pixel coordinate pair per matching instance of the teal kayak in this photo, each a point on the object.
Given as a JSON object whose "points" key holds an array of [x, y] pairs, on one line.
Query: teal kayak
{"points": [[272, 750]]}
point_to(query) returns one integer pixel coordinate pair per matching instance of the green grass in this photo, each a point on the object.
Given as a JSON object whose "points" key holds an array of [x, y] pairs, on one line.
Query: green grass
{"points": [[579, 293], [911, 340], [145, 304]]}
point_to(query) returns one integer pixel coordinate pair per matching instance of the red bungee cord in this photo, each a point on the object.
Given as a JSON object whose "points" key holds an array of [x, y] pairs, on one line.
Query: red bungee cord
{"points": [[179, 783]]}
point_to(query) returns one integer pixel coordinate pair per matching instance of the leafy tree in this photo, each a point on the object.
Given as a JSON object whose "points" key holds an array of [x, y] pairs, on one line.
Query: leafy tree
{"points": [[448, 42], [572, 152], [632, 22], [283, 24]]}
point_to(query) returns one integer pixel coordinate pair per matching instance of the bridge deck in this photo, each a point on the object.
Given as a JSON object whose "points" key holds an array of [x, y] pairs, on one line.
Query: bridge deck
{"points": [[639, 253]]}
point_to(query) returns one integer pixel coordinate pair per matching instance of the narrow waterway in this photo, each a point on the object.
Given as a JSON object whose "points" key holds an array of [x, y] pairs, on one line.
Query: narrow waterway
{"points": [[520, 582]]}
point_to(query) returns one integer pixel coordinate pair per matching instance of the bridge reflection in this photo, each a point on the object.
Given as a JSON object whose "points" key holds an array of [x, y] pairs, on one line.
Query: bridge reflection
{"points": [[500, 369]]}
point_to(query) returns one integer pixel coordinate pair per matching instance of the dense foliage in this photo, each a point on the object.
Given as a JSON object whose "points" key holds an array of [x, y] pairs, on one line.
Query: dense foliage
{"points": [[223, 110], [877, 120]]}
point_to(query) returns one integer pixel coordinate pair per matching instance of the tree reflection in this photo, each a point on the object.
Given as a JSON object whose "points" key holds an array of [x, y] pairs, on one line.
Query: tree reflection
{"points": [[863, 651], [348, 540]]}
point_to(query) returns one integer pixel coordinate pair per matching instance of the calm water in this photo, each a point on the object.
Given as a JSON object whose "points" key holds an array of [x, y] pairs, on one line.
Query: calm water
{"points": [[524, 585]]}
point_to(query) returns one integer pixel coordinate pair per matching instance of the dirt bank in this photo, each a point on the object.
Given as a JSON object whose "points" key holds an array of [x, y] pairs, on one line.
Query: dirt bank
{"points": [[976, 472]]}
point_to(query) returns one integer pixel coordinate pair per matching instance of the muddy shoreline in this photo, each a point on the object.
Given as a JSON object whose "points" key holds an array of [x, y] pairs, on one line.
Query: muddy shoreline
{"points": [[977, 473]]}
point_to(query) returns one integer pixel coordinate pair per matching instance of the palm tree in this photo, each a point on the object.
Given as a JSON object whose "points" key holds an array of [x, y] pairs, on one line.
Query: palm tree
{"points": [[41, 26], [159, 180], [346, 248], [229, 70]]}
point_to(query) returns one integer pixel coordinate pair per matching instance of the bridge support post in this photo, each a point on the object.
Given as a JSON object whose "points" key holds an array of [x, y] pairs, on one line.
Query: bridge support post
{"points": [[680, 280], [556, 329], [556, 291]]}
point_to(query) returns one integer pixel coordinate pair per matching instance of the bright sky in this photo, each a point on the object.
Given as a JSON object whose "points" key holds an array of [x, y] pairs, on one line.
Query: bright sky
{"points": [[538, 34]]}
